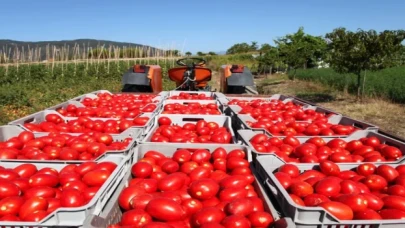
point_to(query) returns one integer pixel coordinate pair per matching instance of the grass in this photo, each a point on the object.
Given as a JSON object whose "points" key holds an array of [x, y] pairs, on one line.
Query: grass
{"points": [[381, 112], [388, 83]]}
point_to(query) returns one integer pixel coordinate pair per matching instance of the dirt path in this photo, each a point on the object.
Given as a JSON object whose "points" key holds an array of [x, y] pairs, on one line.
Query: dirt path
{"points": [[387, 115]]}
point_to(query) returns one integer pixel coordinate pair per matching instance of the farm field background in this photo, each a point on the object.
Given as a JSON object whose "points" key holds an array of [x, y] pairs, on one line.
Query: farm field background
{"points": [[27, 88]]}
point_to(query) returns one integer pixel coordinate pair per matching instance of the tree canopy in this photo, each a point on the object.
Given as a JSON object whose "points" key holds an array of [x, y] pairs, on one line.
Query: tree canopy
{"points": [[355, 52], [241, 48]]}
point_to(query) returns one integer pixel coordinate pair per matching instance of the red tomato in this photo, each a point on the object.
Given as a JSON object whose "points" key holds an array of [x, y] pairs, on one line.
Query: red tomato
{"points": [[357, 203], [25, 170], [329, 168], [388, 172], [313, 200], [290, 169], [203, 189], [229, 194], [135, 218], [165, 209], [32, 205], [394, 202], [373, 202], [328, 187], [206, 215], [367, 214], [236, 221], [392, 214], [337, 209], [242, 207], [375, 182], [43, 180], [96, 177], [8, 188], [11, 205], [296, 199], [171, 182], [72, 198], [164, 121], [301, 189], [141, 170], [127, 194]]}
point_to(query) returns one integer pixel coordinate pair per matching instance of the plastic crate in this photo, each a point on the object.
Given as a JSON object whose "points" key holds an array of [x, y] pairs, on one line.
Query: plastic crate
{"points": [[40, 117], [265, 98], [111, 213], [156, 99], [311, 217], [185, 102], [234, 110], [9, 131], [65, 104], [246, 135], [213, 95], [241, 123], [94, 92], [180, 120], [75, 217]]}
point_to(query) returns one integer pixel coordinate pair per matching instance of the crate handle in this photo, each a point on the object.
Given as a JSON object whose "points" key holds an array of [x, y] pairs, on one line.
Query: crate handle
{"points": [[193, 119], [272, 188], [358, 125], [29, 120]]}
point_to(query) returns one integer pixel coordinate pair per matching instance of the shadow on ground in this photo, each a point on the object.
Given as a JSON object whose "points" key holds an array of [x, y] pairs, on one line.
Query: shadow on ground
{"points": [[316, 97]]}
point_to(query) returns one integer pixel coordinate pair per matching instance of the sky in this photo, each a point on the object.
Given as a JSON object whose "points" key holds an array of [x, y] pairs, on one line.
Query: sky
{"points": [[208, 25]]}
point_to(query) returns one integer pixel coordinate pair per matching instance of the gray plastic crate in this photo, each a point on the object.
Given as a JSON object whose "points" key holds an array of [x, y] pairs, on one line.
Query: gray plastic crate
{"points": [[241, 123], [213, 95], [65, 104], [9, 131], [94, 92], [222, 121], [311, 217], [156, 99], [40, 117], [246, 135], [185, 102], [111, 213], [75, 217]]}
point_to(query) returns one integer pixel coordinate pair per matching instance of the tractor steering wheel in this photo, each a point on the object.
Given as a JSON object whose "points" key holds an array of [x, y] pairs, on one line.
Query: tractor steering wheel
{"points": [[194, 62]]}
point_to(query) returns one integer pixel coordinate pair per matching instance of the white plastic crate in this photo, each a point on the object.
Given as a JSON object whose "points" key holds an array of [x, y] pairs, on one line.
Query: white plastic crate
{"points": [[246, 135], [241, 123], [111, 213], [185, 102], [9, 131], [311, 217], [222, 121], [75, 217]]}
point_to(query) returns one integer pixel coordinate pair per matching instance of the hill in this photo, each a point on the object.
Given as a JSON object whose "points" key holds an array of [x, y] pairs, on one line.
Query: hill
{"points": [[12, 48]]}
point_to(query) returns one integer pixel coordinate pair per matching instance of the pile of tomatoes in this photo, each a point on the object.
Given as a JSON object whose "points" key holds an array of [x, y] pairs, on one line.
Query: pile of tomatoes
{"points": [[130, 110], [192, 189], [30, 194], [56, 146], [190, 96], [200, 132], [293, 128], [316, 149], [108, 100], [366, 192], [55, 123], [192, 107]]}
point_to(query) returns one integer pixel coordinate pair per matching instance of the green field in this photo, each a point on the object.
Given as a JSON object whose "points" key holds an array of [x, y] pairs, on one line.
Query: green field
{"points": [[28, 88], [388, 83]]}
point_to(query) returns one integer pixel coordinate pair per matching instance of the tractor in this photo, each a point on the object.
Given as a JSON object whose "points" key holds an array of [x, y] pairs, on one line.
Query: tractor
{"points": [[190, 75]]}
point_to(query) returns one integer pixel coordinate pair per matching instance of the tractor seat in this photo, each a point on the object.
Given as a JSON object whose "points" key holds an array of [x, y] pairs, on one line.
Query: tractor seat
{"points": [[201, 74]]}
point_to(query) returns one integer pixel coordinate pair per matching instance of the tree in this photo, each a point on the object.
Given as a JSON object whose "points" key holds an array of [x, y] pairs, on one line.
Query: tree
{"points": [[201, 53], [268, 59], [212, 53], [188, 53], [253, 46], [239, 48], [298, 49], [361, 51], [265, 48]]}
